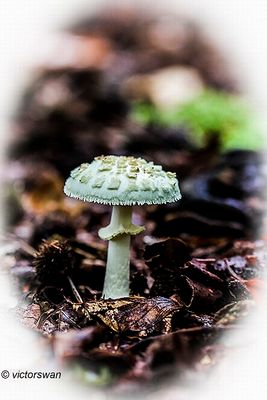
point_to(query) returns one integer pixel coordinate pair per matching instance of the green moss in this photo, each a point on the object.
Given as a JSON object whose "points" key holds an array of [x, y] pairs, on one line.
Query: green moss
{"points": [[145, 113], [210, 112], [102, 378]]}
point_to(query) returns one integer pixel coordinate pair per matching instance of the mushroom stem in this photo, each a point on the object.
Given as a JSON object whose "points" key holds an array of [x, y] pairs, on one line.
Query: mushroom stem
{"points": [[118, 232], [117, 271]]}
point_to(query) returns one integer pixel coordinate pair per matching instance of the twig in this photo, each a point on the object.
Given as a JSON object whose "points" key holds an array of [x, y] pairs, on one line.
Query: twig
{"points": [[75, 291]]}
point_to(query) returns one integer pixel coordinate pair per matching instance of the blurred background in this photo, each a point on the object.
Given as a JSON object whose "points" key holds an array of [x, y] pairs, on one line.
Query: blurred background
{"points": [[31, 37]]}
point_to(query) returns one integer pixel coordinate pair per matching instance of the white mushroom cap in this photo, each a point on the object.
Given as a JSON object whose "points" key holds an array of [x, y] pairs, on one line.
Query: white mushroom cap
{"points": [[120, 180]]}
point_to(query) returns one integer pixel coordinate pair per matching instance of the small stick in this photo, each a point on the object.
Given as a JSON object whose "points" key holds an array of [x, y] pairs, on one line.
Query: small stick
{"points": [[84, 253], [75, 291]]}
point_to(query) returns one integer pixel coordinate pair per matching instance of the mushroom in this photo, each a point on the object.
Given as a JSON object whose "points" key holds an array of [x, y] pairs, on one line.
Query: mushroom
{"points": [[121, 182]]}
